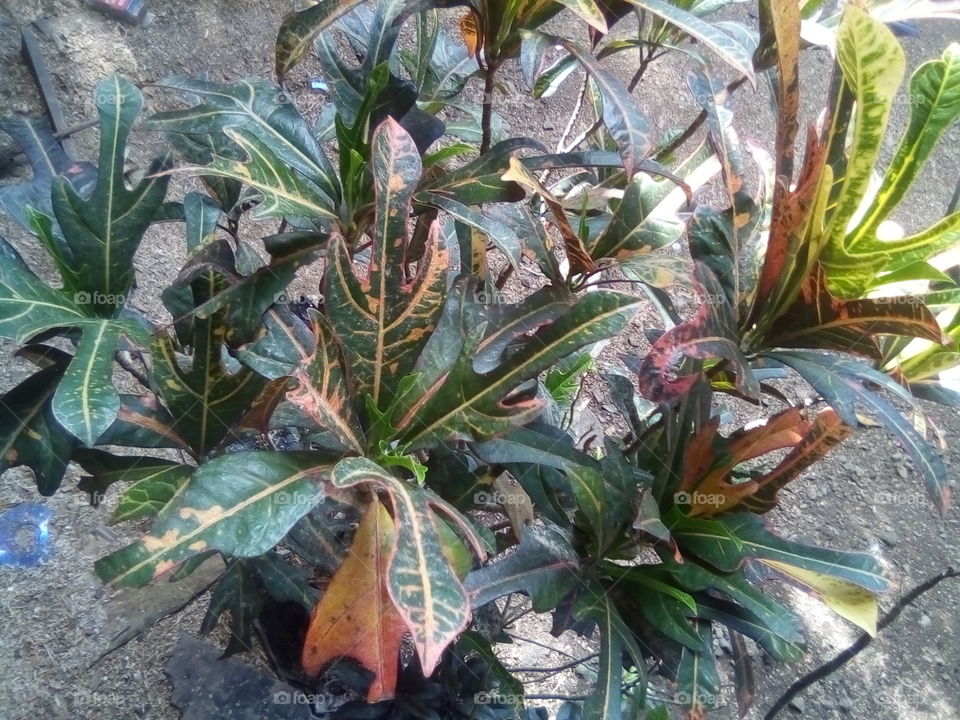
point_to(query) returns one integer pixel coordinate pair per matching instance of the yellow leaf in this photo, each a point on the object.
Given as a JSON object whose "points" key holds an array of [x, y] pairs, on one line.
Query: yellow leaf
{"points": [[847, 600]]}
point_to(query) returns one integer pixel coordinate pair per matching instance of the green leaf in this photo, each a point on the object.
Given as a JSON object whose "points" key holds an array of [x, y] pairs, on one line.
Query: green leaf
{"points": [[784, 629], [728, 541], [873, 64], [698, 684], [621, 115], [934, 105], [383, 319], [639, 225], [259, 108], [299, 28], [154, 481], [206, 399], [267, 493], [743, 621], [28, 305], [47, 159], [844, 383], [103, 230], [425, 589], [452, 399], [285, 192], [201, 214], [615, 639], [481, 180], [544, 566], [284, 343], [499, 234], [86, 403], [30, 434], [588, 11], [726, 47]]}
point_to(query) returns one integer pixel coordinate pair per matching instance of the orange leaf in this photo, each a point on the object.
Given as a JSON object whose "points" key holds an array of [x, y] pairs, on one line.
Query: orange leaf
{"points": [[469, 31], [355, 617]]}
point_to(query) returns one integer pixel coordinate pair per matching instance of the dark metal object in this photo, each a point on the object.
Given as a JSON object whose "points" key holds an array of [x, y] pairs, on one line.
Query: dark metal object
{"points": [[48, 92]]}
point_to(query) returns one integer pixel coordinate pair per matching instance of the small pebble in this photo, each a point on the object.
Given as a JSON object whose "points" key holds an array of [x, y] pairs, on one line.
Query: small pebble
{"points": [[925, 620], [798, 704], [846, 703], [889, 536]]}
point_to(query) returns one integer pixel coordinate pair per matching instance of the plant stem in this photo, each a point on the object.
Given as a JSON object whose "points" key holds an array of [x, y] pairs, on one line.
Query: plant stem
{"points": [[693, 127], [559, 668], [488, 88]]}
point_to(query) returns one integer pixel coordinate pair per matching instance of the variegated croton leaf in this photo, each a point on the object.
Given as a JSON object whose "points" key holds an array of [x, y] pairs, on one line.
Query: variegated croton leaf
{"points": [[267, 493], [467, 381], [420, 579], [384, 314]]}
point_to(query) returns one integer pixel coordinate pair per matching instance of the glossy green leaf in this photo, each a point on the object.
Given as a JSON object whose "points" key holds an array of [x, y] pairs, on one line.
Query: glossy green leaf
{"points": [[616, 639], [639, 225], [205, 398], [698, 684], [724, 45], [104, 229], [30, 434], [264, 111], [267, 493], [153, 481], [299, 28], [844, 383], [934, 105], [502, 236], [544, 566], [621, 114], [453, 399], [728, 541], [86, 402], [27, 304]]}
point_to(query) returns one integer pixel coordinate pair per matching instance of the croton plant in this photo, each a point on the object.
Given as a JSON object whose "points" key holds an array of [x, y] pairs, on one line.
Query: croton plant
{"points": [[381, 462]]}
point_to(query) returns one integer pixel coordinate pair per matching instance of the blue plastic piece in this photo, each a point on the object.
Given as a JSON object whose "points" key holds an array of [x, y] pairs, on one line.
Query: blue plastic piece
{"points": [[30, 516]]}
